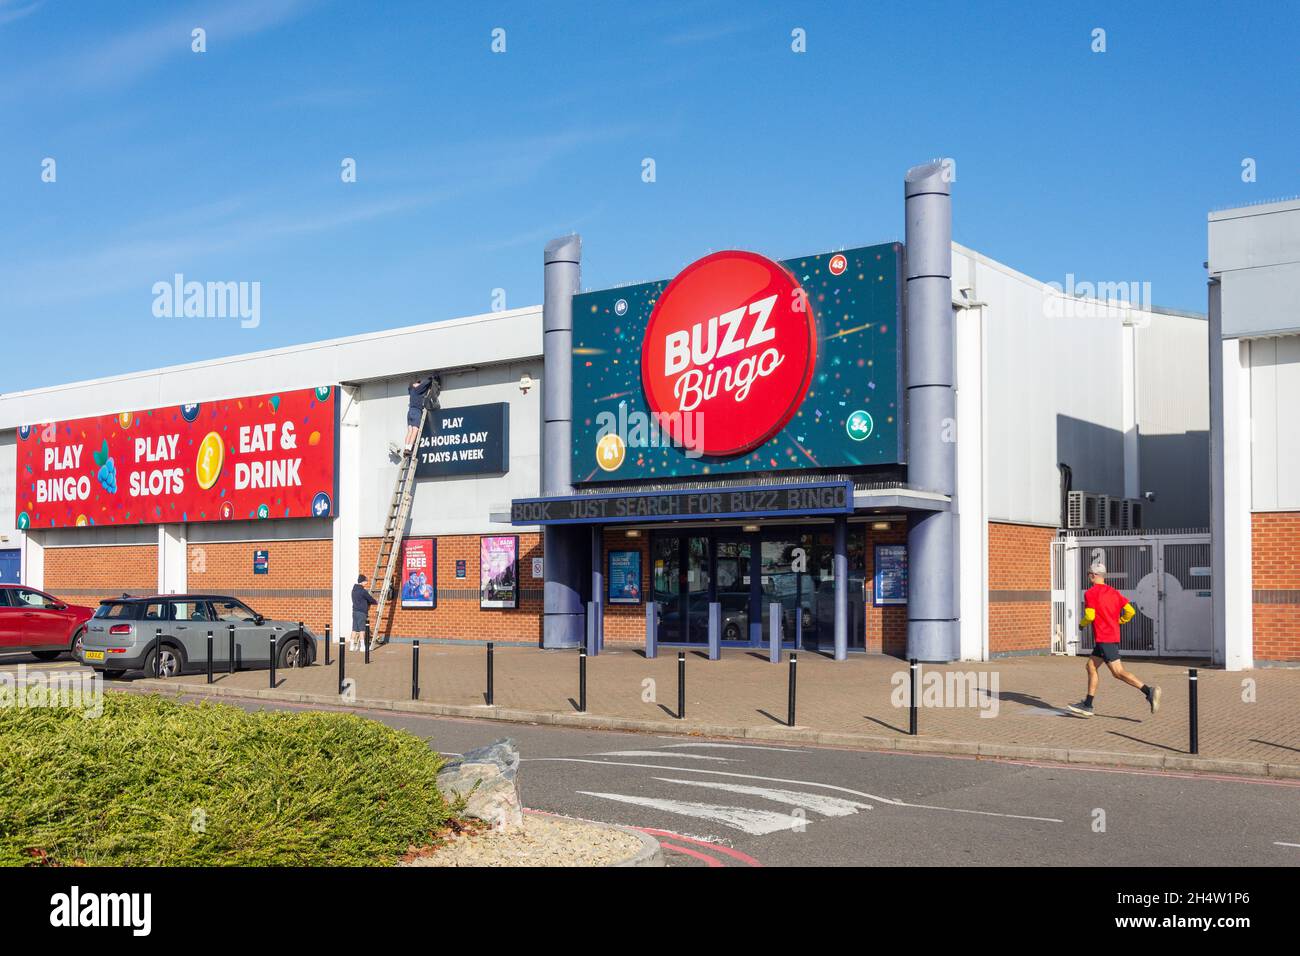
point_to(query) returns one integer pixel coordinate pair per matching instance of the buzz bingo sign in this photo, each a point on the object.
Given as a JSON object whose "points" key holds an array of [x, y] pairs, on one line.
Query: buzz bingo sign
{"points": [[740, 364], [260, 457]]}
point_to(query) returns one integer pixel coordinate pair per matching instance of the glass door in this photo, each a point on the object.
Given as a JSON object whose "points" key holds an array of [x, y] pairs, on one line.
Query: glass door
{"points": [[734, 582], [683, 585]]}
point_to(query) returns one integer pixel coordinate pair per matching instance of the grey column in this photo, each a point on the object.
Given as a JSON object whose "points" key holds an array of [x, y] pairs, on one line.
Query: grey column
{"points": [[598, 583], [563, 622], [841, 567], [932, 615]]}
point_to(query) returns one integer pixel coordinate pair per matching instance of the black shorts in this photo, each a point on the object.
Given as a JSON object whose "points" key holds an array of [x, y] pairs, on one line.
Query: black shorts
{"points": [[359, 619], [413, 416], [1108, 651]]}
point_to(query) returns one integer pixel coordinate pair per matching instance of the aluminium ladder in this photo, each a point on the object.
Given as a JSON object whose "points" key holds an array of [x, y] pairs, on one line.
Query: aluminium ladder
{"points": [[399, 509]]}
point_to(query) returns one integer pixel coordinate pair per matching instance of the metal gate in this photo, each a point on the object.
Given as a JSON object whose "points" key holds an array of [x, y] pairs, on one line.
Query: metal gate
{"points": [[1164, 574]]}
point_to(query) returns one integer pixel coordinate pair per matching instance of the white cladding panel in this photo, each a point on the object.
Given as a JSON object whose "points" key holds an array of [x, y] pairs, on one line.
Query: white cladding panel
{"points": [[1053, 392], [453, 505], [1173, 413], [479, 340], [8, 483], [1275, 436]]}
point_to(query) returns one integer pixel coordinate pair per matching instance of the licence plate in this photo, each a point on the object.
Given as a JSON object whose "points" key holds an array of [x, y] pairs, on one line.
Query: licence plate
{"points": [[94, 655]]}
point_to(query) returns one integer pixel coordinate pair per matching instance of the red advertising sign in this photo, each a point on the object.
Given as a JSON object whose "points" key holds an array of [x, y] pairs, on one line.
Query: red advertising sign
{"points": [[419, 573], [733, 342], [268, 456]]}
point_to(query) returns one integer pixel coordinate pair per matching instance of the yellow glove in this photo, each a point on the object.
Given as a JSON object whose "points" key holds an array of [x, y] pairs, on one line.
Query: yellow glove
{"points": [[1089, 615], [1127, 614]]}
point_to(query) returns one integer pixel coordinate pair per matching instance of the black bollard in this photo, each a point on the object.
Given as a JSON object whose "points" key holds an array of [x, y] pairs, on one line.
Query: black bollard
{"points": [[209, 655], [342, 655], [367, 643], [582, 680], [157, 652], [327, 645], [489, 673], [911, 699], [681, 685], [302, 646], [230, 661], [1193, 730], [272, 662], [415, 669], [794, 661]]}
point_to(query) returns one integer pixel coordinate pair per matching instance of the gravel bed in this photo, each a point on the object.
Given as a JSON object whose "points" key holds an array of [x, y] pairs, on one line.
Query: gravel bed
{"points": [[544, 841]]}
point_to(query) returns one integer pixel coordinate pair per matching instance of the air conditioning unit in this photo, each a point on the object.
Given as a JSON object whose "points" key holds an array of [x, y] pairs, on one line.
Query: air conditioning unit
{"points": [[1110, 511], [1082, 511], [1132, 517]]}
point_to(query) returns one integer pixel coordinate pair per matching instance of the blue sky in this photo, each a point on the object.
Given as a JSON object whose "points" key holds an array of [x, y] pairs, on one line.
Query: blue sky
{"points": [[225, 165]]}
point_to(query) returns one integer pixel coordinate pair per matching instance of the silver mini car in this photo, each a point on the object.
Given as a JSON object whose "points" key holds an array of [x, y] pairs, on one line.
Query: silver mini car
{"points": [[126, 633]]}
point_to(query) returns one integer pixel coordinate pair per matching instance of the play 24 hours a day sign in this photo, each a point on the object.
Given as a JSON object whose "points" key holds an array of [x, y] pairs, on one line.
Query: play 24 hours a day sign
{"points": [[473, 440], [254, 457]]}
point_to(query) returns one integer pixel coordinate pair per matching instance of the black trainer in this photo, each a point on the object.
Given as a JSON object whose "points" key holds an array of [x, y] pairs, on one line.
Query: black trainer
{"points": [[1082, 708]]}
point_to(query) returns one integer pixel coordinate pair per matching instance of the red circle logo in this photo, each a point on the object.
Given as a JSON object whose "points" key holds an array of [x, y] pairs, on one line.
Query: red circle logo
{"points": [[729, 353], [838, 264]]}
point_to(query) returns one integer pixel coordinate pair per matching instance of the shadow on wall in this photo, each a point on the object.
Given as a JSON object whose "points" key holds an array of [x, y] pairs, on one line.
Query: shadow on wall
{"points": [[1176, 467]]}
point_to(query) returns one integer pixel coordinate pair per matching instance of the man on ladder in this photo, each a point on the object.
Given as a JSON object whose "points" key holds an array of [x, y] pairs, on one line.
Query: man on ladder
{"points": [[416, 392], [423, 398]]}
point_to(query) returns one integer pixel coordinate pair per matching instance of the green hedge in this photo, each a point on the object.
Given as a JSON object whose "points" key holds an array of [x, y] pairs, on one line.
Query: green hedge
{"points": [[154, 781]]}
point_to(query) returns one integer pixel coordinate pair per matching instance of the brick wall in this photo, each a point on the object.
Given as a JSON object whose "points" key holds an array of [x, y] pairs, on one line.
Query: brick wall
{"points": [[625, 623], [1020, 588], [88, 575], [886, 626], [296, 587], [458, 615], [1275, 547]]}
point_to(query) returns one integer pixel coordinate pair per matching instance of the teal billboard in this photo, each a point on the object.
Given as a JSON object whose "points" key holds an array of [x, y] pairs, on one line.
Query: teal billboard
{"points": [[740, 365]]}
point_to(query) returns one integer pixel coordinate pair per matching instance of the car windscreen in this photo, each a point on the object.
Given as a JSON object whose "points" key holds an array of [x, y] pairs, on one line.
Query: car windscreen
{"points": [[117, 611]]}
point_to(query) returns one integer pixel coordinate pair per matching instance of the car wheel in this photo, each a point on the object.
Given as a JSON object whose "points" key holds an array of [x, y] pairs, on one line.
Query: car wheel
{"points": [[169, 667], [731, 632], [291, 653], [46, 655], [77, 644]]}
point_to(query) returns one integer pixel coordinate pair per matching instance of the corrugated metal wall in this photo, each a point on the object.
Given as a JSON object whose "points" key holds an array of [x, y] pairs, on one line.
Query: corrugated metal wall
{"points": [[1275, 432]]}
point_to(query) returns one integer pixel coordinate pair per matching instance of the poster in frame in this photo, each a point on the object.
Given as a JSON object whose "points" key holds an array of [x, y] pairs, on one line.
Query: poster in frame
{"points": [[419, 582], [499, 571], [890, 585], [623, 577]]}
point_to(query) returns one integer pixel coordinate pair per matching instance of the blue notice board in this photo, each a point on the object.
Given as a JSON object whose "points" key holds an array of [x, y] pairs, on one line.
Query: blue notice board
{"points": [[624, 577], [261, 562], [891, 574]]}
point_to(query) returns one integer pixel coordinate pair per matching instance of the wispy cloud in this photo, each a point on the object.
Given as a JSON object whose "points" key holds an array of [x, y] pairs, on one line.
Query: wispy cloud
{"points": [[11, 10], [124, 58]]}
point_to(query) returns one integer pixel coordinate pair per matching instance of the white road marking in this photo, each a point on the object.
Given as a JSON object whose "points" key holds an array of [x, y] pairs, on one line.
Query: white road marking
{"points": [[816, 802], [656, 753], [1279, 843], [754, 822], [784, 750], [806, 783]]}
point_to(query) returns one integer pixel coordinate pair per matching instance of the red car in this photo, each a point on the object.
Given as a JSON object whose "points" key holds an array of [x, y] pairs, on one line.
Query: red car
{"points": [[42, 625]]}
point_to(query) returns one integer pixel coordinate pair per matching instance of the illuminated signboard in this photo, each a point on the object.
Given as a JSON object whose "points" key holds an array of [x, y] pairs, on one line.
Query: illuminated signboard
{"points": [[740, 364], [265, 456]]}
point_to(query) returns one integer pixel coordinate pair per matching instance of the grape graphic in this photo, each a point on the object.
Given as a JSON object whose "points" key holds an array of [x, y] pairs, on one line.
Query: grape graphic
{"points": [[107, 473], [108, 477]]}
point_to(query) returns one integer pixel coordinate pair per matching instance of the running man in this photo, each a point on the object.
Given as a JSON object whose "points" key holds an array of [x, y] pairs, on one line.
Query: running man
{"points": [[1106, 609]]}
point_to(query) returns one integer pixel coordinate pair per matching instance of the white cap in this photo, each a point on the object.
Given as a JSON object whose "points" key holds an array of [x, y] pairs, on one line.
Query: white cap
{"points": [[1097, 567]]}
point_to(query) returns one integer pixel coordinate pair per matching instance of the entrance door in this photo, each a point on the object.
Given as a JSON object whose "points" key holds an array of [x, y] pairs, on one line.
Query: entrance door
{"points": [[11, 561], [682, 584]]}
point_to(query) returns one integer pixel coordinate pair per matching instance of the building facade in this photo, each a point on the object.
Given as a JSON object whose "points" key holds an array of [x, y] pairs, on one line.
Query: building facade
{"points": [[866, 455], [1254, 310]]}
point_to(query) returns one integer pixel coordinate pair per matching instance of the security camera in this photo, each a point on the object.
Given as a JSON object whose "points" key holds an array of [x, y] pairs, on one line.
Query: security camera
{"points": [[1149, 495]]}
